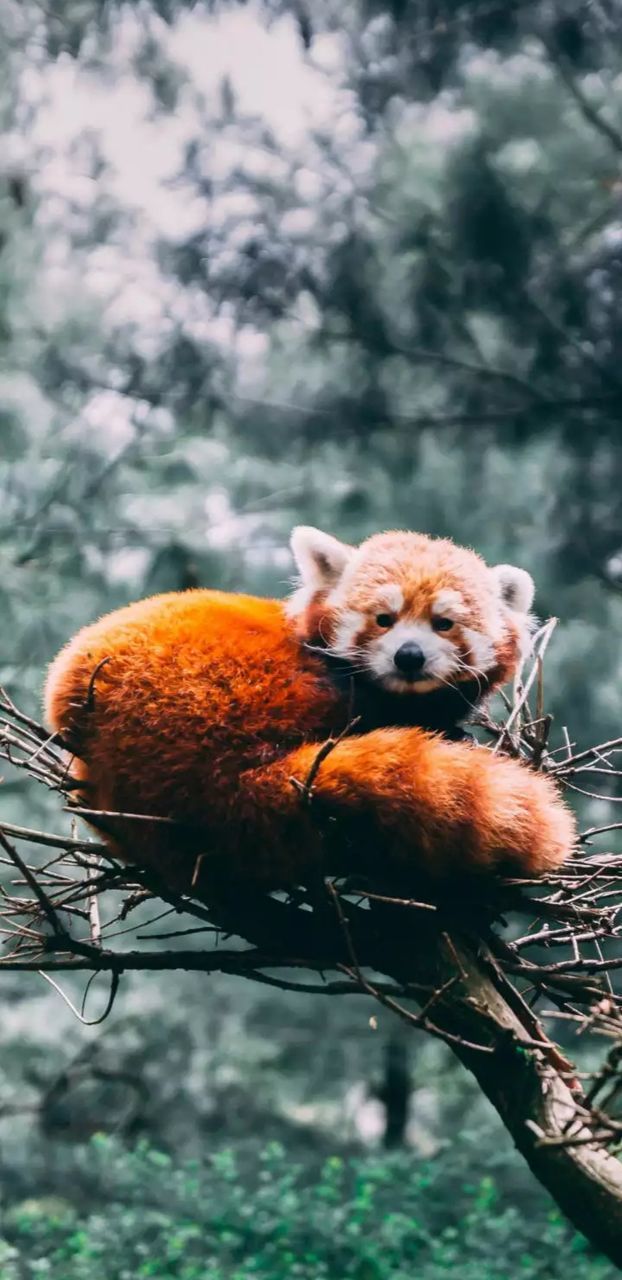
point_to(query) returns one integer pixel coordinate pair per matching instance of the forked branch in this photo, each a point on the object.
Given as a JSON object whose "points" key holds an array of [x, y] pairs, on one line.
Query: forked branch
{"points": [[451, 967]]}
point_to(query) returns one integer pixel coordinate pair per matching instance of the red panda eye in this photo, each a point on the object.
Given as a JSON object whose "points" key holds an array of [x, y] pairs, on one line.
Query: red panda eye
{"points": [[442, 624], [385, 619]]}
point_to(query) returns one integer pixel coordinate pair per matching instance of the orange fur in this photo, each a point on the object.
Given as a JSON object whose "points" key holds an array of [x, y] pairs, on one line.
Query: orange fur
{"points": [[208, 704], [423, 570]]}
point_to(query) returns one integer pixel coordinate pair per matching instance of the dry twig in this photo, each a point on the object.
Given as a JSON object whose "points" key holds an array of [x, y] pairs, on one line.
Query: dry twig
{"points": [[449, 967]]}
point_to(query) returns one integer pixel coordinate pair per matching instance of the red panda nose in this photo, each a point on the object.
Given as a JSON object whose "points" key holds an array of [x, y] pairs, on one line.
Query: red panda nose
{"points": [[410, 658]]}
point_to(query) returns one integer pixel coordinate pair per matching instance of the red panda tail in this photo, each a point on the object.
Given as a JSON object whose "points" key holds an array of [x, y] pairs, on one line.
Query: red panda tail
{"points": [[445, 809]]}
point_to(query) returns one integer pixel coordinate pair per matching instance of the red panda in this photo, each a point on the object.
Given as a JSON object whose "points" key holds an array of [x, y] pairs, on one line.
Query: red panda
{"points": [[207, 708]]}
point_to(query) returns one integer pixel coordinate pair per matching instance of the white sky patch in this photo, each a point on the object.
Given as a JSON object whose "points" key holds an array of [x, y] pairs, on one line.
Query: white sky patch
{"points": [[142, 149], [142, 153], [270, 78], [108, 419], [439, 122], [268, 73], [520, 156], [19, 393]]}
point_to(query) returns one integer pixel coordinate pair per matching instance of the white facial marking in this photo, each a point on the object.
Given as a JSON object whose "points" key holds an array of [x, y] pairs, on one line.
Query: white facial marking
{"points": [[344, 638], [443, 664], [391, 599], [449, 604], [440, 657], [352, 621], [482, 653]]}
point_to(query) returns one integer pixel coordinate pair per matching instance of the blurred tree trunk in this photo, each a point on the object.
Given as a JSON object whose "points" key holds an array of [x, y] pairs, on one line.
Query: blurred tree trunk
{"points": [[474, 1006], [526, 1087], [394, 1092]]}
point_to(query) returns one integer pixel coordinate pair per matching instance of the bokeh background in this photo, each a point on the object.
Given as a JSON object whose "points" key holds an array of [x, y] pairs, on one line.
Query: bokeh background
{"points": [[353, 264]]}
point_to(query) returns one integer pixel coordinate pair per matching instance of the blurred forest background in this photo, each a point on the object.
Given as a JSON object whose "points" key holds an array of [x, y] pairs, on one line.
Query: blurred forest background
{"points": [[356, 264]]}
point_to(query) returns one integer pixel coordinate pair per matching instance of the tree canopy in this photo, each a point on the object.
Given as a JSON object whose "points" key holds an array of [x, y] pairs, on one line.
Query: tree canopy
{"points": [[355, 265]]}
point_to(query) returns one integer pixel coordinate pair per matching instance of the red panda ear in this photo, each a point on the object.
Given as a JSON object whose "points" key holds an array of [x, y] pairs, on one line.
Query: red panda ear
{"points": [[319, 557], [515, 586]]}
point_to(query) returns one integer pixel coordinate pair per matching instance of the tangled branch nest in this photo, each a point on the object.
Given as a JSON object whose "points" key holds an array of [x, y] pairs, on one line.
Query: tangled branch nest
{"points": [[550, 946]]}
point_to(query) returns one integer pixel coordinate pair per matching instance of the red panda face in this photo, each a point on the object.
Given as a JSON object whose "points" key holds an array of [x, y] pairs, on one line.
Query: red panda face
{"points": [[412, 639], [412, 613]]}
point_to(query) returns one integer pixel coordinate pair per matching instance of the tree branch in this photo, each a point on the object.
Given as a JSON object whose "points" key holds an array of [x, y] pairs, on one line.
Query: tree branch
{"points": [[445, 969]]}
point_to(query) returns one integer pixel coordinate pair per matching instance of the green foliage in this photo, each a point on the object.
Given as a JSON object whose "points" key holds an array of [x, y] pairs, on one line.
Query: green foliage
{"points": [[377, 322], [378, 1218], [377, 325]]}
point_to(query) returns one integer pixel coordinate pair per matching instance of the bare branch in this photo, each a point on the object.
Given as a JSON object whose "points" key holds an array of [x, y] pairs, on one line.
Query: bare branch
{"points": [[447, 969]]}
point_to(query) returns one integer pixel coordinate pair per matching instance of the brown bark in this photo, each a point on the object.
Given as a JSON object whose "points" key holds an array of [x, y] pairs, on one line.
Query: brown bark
{"points": [[526, 1083], [523, 1083]]}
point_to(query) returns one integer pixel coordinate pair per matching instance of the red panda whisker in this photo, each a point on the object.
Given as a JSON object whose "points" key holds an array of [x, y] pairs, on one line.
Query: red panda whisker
{"points": [[355, 650], [455, 687], [325, 650], [321, 633], [466, 666], [470, 670]]}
